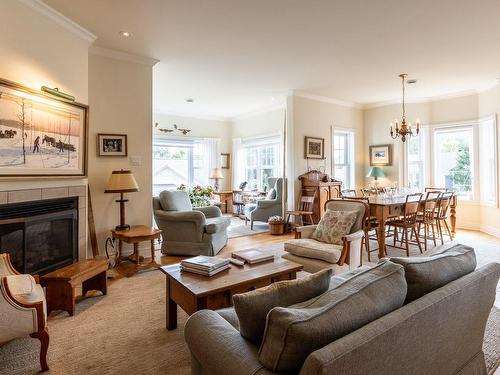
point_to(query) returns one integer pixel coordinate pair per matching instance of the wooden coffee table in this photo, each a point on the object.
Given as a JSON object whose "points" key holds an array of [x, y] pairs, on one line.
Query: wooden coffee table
{"points": [[194, 292]]}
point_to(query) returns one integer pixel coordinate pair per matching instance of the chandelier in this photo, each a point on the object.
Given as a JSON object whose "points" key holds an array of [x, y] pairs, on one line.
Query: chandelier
{"points": [[404, 129]]}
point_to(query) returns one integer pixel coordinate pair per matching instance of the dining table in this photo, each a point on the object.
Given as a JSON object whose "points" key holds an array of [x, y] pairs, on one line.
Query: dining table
{"points": [[384, 207]]}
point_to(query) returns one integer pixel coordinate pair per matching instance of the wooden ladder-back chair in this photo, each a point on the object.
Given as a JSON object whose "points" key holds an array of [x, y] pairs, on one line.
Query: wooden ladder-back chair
{"points": [[348, 193], [407, 222], [305, 209], [427, 216], [442, 214]]}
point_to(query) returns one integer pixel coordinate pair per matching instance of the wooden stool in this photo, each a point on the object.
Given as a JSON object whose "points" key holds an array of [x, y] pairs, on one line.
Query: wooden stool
{"points": [[60, 284]]}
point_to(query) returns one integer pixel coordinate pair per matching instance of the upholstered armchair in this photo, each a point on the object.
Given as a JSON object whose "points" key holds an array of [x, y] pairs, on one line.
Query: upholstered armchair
{"points": [[315, 255], [263, 209], [23, 308], [187, 230]]}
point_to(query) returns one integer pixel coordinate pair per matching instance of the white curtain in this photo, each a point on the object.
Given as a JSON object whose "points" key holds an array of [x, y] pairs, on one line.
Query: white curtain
{"points": [[211, 157], [238, 166]]}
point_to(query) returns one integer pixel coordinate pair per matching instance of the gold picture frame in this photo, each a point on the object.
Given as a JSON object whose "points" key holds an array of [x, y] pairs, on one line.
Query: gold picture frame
{"points": [[381, 155]]}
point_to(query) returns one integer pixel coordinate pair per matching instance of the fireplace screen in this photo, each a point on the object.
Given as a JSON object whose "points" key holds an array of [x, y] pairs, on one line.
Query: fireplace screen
{"points": [[40, 236]]}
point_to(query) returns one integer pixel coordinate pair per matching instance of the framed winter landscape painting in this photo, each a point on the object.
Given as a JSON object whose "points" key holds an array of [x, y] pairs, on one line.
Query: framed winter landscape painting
{"points": [[40, 136]]}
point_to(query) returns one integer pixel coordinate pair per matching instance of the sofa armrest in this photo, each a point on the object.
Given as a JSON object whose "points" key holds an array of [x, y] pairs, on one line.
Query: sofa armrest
{"points": [[351, 250], [209, 212], [218, 347], [266, 203], [196, 217], [305, 231]]}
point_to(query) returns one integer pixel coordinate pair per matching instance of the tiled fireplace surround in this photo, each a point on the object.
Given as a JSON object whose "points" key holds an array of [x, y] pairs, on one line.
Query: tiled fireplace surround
{"points": [[80, 191]]}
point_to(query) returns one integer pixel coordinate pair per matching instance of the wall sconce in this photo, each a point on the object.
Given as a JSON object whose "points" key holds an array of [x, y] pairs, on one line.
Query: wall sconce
{"points": [[55, 92]]}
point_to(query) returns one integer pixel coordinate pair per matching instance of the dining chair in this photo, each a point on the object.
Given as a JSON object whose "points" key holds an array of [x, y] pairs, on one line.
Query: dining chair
{"points": [[305, 209], [348, 193], [427, 216], [442, 214], [370, 224], [369, 192], [407, 222]]}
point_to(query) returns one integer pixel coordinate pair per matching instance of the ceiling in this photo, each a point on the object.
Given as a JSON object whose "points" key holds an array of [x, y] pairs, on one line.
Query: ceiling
{"points": [[235, 56]]}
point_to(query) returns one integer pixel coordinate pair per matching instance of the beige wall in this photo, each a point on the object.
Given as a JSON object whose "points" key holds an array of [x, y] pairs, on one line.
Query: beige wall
{"points": [[315, 118], [201, 128], [120, 94], [267, 122], [39, 52]]}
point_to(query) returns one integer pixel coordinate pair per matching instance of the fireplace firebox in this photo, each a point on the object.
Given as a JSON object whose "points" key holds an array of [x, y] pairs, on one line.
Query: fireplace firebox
{"points": [[40, 236]]}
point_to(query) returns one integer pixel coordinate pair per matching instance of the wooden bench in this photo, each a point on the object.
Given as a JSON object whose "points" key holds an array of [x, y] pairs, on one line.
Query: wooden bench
{"points": [[60, 284]]}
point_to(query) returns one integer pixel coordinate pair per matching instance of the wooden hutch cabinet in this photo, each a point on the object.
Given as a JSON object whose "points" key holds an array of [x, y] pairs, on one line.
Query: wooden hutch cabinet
{"points": [[321, 186]]}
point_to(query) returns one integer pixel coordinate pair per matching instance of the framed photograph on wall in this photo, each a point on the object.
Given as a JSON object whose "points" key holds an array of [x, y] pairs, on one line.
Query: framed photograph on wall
{"points": [[112, 144], [314, 148], [381, 155], [40, 135], [225, 160]]}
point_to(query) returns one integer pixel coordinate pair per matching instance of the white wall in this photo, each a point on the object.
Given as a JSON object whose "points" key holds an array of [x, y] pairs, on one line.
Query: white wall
{"points": [[37, 52], [266, 122], [315, 118], [200, 128], [120, 95]]}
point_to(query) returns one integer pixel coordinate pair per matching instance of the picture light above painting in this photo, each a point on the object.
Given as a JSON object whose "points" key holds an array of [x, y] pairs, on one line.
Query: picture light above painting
{"points": [[40, 135]]}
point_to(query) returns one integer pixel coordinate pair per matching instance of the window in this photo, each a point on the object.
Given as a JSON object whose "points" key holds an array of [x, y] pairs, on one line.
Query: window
{"points": [[461, 157], [261, 162], [176, 163], [453, 155], [343, 157], [415, 156]]}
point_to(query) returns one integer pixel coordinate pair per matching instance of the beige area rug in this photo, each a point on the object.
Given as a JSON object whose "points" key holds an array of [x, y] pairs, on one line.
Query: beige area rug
{"points": [[239, 229]]}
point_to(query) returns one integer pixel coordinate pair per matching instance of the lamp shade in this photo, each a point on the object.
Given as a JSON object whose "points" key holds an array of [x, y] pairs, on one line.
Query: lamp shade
{"points": [[121, 182], [216, 173], [375, 172]]}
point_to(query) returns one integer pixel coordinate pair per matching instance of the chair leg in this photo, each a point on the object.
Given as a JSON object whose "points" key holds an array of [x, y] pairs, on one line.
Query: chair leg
{"points": [[251, 224], [395, 236], [433, 234], [448, 230], [311, 219], [418, 241], [44, 346], [246, 220], [426, 229], [440, 231], [405, 234], [367, 244]]}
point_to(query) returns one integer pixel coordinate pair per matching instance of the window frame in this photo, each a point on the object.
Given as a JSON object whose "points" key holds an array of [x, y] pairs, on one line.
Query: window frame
{"points": [[349, 155], [260, 144]]}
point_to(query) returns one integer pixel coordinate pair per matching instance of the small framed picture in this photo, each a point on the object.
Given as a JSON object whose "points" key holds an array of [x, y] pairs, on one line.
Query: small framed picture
{"points": [[112, 144], [225, 160], [381, 155], [314, 148]]}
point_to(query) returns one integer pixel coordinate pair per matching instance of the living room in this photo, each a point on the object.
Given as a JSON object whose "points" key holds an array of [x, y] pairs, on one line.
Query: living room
{"points": [[283, 114]]}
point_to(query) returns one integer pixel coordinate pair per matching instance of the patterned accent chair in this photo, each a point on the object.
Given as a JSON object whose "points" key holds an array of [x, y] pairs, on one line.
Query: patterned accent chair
{"points": [[315, 255], [23, 309]]}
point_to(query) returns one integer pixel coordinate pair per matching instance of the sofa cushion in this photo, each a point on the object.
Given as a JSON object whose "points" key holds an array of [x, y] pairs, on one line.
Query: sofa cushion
{"points": [[271, 194], [293, 332], [216, 224], [340, 278], [230, 316], [175, 201], [334, 225], [309, 248], [252, 307], [425, 274]]}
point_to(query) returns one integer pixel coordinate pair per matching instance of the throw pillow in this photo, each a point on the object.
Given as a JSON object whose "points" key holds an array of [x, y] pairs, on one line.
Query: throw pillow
{"points": [[425, 274], [334, 225], [271, 194], [252, 307], [294, 332]]}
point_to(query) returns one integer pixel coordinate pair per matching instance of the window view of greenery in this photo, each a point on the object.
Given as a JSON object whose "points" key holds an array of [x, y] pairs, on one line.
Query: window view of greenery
{"points": [[261, 162], [415, 163], [453, 161]]}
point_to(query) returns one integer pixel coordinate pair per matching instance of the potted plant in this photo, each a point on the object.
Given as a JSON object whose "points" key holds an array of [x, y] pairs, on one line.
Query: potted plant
{"points": [[276, 225], [200, 196]]}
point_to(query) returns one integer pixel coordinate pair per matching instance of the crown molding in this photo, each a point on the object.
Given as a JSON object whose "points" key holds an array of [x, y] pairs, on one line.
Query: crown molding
{"points": [[326, 99], [120, 55], [191, 115], [60, 19]]}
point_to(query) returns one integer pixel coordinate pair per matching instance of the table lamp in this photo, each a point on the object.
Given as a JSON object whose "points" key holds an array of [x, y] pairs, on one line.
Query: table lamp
{"points": [[121, 182], [375, 172], [216, 174]]}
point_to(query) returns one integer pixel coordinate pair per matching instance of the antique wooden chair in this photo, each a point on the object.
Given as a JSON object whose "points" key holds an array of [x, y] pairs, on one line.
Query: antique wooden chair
{"points": [[427, 216], [305, 209]]}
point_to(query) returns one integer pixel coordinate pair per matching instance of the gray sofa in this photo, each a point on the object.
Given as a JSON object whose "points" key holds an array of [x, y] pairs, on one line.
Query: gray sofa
{"points": [[187, 230], [437, 334], [263, 209]]}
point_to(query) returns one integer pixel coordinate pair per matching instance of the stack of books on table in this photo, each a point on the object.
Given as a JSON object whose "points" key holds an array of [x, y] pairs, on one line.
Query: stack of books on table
{"points": [[253, 256], [205, 265]]}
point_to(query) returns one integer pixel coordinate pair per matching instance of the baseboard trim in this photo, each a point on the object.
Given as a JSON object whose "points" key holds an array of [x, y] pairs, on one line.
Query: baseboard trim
{"points": [[488, 229]]}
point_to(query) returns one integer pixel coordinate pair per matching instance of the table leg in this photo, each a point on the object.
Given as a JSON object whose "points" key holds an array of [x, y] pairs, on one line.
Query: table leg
{"points": [[136, 252], [381, 213], [453, 218], [170, 308]]}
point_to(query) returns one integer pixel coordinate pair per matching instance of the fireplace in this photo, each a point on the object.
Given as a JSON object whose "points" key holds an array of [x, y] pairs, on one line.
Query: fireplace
{"points": [[40, 236]]}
